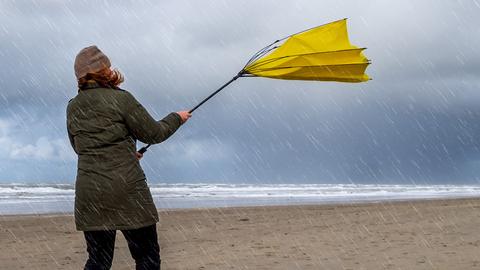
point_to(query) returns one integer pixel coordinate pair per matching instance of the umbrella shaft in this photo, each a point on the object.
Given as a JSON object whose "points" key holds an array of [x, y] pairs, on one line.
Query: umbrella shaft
{"points": [[144, 149], [214, 93]]}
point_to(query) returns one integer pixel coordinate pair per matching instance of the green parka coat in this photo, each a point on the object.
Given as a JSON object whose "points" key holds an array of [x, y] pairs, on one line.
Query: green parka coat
{"points": [[111, 192]]}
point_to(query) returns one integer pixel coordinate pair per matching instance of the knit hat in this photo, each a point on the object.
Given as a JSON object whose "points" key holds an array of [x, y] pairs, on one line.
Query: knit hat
{"points": [[90, 60]]}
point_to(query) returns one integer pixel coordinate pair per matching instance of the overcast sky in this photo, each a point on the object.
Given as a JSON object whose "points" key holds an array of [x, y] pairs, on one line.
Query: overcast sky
{"points": [[417, 121]]}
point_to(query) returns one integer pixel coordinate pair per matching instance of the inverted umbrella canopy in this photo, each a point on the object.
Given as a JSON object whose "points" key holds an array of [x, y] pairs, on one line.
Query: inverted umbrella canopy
{"points": [[323, 53]]}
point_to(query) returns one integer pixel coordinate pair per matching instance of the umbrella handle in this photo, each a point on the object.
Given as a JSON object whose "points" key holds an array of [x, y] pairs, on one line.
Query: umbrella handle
{"points": [[240, 74], [143, 149]]}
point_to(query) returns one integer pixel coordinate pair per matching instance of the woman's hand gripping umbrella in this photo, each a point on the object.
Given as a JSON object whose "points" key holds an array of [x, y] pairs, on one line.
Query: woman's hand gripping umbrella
{"points": [[322, 53]]}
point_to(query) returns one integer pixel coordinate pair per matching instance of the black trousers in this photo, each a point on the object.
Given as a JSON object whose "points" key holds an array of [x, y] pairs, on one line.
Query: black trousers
{"points": [[142, 243]]}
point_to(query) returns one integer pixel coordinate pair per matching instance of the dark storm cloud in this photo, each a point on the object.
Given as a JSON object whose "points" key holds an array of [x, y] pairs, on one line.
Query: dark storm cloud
{"points": [[416, 122]]}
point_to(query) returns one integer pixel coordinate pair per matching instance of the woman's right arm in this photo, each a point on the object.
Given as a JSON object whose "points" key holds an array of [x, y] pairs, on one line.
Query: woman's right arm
{"points": [[142, 125]]}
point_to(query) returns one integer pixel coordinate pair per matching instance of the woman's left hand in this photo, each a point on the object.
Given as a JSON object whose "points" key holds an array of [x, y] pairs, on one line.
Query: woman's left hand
{"points": [[139, 155]]}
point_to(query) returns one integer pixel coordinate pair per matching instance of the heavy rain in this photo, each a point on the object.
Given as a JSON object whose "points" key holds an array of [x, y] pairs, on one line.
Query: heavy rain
{"points": [[269, 173]]}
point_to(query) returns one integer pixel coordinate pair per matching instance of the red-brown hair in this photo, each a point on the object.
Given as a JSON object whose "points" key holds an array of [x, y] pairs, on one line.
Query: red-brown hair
{"points": [[106, 78]]}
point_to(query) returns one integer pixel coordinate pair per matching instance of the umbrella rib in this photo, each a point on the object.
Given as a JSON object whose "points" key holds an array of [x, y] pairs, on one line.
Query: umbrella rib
{"points": [[260, 53], [267, 61], [330, 65], [248, 75]]}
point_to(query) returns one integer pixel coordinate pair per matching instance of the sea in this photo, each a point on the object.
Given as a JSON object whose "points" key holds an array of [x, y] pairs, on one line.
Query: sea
{"points": [[59, 198]]}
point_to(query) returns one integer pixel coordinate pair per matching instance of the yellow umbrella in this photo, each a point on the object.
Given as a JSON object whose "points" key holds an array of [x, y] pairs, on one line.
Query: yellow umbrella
{"points": [[323, 53]]}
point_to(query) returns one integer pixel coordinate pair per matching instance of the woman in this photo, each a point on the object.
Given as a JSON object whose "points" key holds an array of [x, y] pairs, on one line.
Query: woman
{"points": [[111, 192]]}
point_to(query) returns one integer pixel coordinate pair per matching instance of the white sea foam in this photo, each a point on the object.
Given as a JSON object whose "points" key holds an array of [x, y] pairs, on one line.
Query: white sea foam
{"points": [[47, 198]]}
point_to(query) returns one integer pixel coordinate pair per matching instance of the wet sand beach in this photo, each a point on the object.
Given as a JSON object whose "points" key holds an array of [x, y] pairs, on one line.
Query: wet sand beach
{"points": [[434, 234]]}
